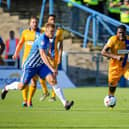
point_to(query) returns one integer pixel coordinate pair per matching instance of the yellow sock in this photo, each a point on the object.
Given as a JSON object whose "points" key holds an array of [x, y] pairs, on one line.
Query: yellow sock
{"points": [[32, 90], [25, 93], [43, 85], [53, 93]]}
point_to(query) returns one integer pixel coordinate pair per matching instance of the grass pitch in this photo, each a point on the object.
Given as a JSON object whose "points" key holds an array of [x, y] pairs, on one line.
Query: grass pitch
{"points": [[87, 113]]}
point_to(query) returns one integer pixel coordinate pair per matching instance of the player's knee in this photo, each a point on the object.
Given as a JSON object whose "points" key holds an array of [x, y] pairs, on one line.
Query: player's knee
{"points": [[52, 81], [42, 81], [33, 83], [21, 86]]}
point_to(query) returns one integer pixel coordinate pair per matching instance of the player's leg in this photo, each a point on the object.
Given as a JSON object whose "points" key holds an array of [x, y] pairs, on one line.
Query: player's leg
{"points": [[59, 92], [25, 79], [53, 94], [112, 84], [53, 97], [12, 86], [25, 95], [112, 89], [113, 79], [44, 89], [52, 81], [47, 73], [32, 90]]}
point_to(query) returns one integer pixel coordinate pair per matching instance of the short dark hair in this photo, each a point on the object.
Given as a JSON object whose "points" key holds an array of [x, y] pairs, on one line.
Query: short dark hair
{"points": [[11, 31], [34, 17], [123, 27], [52, 15]]}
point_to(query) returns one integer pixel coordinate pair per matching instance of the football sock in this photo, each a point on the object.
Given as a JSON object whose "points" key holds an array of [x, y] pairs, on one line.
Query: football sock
{"points": [[44, 86], [12, 86], [25, 93], [59, 93], [53, 93], [32, 90], [111, 90]]}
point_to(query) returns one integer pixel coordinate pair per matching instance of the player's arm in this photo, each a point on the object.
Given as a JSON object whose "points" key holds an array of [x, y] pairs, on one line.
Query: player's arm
{"points": [[46, 61], [106, 52], [60, 52], [59, 38], [19, 45], [18, 48]]}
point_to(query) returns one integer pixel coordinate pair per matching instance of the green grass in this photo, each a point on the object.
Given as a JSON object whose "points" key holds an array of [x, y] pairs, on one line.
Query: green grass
{"points": [[87, 113]]}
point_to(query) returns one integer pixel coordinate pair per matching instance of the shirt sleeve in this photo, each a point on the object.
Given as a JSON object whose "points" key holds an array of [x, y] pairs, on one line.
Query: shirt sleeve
{"points": [[23, 36], [110, 42], [59, 35]]}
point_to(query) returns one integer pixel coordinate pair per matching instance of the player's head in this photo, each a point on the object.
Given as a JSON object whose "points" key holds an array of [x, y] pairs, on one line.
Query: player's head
{"points": [[126, 2], [11, 34], [50, 30], [51, 18], [121, 32], [33, 23]]}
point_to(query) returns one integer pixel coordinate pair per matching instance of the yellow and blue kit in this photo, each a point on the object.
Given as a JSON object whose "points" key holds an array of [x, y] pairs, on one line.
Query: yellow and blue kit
{"points": [[116, 68]]}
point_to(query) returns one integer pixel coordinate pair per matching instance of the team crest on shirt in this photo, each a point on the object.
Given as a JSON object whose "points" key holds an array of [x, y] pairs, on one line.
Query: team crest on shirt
{"points": [[42, 42], [30, 42]]}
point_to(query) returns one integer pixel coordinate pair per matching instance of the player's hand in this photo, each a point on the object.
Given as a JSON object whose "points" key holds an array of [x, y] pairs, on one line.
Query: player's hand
{"points": [[54, 72], [119, 58], [14, 56]]}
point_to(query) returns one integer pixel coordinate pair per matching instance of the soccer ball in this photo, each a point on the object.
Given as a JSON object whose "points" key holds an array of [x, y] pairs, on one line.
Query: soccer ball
{"points": [[110, 101]]}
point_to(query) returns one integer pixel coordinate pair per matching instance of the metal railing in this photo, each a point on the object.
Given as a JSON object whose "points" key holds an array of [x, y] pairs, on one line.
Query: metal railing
{"points": [[7, 2], [97, 20], [81, 72]]}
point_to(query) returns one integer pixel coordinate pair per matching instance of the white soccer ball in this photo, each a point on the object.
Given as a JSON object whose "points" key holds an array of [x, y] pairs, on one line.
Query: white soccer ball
{"points": [[110, 101]]}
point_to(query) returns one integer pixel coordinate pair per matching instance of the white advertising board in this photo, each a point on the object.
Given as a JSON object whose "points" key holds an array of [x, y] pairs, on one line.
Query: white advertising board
{"points": [[10, 75]]}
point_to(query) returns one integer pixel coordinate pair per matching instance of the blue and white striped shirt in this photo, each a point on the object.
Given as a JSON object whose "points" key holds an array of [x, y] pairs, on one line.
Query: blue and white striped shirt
{"points": [[34, 59]]}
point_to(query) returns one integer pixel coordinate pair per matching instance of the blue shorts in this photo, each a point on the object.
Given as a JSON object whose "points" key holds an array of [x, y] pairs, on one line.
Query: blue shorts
{"points": [[29, 73]]}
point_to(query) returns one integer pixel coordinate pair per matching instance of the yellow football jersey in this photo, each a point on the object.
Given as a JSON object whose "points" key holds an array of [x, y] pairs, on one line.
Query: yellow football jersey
{"points": [[115, 67], [116, 45], [28, 36]]}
